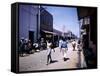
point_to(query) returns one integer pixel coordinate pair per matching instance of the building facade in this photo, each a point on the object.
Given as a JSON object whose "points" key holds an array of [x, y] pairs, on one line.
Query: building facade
{"points": [[88, 32], [57, 34], [46, 24], [28, 22]]}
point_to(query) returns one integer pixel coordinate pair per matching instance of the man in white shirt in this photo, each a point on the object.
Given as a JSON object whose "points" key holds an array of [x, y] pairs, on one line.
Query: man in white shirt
{"points": [[49, 59]]}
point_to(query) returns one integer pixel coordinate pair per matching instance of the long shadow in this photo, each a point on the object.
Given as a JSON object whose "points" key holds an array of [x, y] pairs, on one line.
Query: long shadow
{"points": [[65, 59], [53, 61]]}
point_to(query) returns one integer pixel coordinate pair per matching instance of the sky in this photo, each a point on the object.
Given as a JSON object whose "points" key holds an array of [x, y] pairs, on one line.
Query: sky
{"points": [[64, 18]]}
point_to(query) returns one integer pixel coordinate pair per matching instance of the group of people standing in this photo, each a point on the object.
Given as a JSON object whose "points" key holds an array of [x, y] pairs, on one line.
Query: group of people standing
{"points": [[25, 46]]}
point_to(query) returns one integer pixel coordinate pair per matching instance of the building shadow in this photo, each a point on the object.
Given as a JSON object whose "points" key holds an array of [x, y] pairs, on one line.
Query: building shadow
{"points": [[78, 64]]}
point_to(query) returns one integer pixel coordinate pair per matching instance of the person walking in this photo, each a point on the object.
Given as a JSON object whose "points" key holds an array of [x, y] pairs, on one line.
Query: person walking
{"points": [[60, 43], [49, 45], [74, 45], [79, 45], [53, 45], [64, 49]]}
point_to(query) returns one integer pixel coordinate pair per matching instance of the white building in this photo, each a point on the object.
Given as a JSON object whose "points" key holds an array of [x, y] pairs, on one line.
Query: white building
{"points": [[28, 17]]}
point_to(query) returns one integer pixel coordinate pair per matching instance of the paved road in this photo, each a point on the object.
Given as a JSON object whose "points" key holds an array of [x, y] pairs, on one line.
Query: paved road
{"points": [[37, 61]]}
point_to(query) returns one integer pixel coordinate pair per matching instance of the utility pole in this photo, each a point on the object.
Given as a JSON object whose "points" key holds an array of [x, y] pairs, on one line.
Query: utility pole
{"points": [[63, 30], [38, 22]]}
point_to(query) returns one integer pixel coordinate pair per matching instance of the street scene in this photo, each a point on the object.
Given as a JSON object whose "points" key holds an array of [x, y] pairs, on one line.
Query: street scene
{"points": [[54, 38], [37, 61]]}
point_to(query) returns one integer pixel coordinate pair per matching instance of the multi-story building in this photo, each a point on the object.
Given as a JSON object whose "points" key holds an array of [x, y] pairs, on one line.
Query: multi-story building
{"points": [[46, 24], [28, 22], [88, 32], [35, 22]]}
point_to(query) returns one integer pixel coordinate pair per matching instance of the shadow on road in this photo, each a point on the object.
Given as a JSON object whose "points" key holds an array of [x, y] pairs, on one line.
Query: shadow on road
{"points": [[79, 60], [65, 59], [53, 61]]}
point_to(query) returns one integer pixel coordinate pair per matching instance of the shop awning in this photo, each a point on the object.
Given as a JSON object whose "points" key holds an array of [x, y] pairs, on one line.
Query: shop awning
{"points": [[49, 32]]}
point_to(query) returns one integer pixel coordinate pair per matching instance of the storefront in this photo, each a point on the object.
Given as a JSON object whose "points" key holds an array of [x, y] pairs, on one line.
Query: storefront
{"points": [[88, 28], [47, 35]]}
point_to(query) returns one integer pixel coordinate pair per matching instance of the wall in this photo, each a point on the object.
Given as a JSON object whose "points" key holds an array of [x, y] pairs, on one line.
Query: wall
{"points": [[27, 20]]}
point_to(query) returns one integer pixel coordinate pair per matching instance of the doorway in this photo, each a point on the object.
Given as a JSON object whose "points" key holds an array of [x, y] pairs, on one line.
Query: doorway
{"points": [[31, 36]]}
